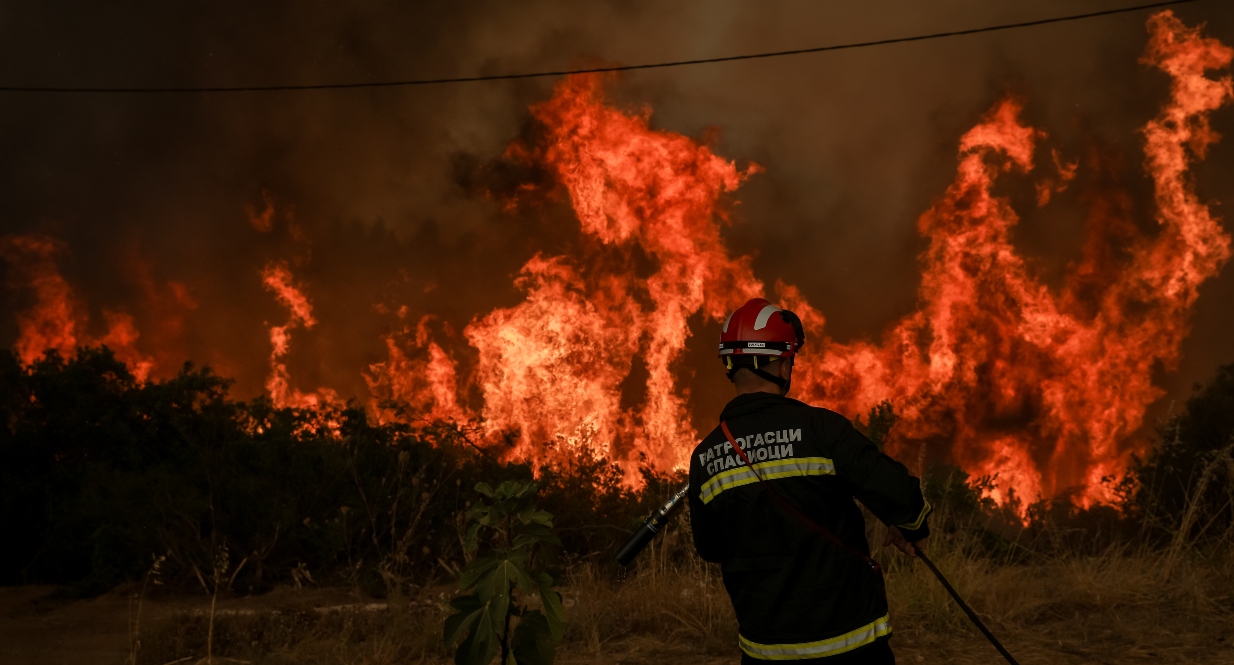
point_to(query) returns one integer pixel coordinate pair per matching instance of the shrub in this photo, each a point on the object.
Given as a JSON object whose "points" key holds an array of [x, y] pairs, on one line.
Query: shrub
{"points": [[503, 580], [1183, 490], [99, 472]]}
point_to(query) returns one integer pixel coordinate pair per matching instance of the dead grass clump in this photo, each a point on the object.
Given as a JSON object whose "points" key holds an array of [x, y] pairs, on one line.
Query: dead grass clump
{"points": [[670, 597], [1117, 606], [361, 634]]}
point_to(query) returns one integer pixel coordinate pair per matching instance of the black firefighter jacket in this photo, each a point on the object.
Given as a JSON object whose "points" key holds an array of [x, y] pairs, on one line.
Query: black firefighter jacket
{"points": [[796, 594]]}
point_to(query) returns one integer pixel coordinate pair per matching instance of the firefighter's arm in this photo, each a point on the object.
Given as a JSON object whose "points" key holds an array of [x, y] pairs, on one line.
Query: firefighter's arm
{"points": [[708, 539], [897, 539], [880, 483]]}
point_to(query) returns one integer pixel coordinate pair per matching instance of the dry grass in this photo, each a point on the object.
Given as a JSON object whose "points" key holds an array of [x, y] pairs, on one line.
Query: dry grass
{"points": [[672, 606], [354, 633], [1117, 606]]}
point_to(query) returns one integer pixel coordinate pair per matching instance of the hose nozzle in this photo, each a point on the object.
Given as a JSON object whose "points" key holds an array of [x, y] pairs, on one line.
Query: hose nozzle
{"points": [[645, 533]]}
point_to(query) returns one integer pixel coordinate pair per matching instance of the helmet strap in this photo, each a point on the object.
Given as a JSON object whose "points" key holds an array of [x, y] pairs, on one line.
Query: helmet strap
{"points": [[782, 383]]}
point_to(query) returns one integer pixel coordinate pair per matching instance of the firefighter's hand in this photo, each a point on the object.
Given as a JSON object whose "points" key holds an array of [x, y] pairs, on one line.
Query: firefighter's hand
{"points": [[894, 537]]}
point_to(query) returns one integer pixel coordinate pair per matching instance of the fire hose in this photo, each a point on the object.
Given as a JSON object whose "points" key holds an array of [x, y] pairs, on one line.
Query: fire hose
{"points": [[658, 519], [651, 526]]}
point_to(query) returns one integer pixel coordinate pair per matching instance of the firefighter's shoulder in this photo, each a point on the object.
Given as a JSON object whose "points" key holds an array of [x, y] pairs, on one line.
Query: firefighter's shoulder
{"points": [[710, 440], [826, 418]]}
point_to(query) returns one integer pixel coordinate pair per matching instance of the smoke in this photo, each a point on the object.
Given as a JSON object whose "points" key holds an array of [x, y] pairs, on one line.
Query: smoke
{"points": [[391, 199]]}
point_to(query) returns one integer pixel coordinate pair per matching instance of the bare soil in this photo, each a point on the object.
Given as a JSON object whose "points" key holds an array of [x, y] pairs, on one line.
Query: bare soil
{"points": [[40, 626]]}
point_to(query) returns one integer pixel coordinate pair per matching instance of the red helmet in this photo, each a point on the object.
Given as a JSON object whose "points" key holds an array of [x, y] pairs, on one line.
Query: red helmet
{"points": [[760, 328]]}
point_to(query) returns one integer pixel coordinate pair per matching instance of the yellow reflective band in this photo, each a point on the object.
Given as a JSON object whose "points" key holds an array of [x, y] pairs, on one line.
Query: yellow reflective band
{"points": [[770, 470], [925, 510], [829, 647]]}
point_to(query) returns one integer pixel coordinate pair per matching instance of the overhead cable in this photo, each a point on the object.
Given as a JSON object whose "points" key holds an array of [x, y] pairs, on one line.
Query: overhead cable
{"points": [[586, 70]]}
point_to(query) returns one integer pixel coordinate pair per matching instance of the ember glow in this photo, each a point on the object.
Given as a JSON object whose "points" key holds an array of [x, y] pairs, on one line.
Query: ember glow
{"points": [[1044, 388]]}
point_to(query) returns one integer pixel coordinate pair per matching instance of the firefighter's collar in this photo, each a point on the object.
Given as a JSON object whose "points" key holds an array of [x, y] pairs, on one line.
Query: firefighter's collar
{"points": [[744, 405]]}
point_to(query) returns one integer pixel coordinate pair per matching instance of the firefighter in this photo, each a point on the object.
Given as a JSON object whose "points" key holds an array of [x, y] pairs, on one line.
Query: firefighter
{"points": [[771, 501]]}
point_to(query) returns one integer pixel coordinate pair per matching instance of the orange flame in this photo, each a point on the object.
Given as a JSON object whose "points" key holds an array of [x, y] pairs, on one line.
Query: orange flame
{"points": [[55, 321], [51, 322], [428, 380], [552, 369], [121, 338], [277, 277], [1041, 389], [1044, 388]]}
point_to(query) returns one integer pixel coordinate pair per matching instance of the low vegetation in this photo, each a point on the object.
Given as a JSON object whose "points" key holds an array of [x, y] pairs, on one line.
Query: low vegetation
{"points": [[497, 616], [98, 473], [173, 490]]}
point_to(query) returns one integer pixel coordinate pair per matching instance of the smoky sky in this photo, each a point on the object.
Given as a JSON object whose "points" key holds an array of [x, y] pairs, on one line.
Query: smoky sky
{"points": [[374, 190]]}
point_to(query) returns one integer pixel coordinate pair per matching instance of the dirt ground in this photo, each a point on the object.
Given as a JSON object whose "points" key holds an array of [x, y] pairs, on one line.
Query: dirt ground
{"points": [[39, 626]]}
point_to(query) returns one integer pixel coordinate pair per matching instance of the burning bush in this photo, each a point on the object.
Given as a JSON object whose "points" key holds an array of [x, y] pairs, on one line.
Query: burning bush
{"points": [[98, 471]]}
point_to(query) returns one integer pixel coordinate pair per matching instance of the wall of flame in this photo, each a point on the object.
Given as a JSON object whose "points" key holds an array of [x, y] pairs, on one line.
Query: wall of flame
{"points": [[1044, 387]]}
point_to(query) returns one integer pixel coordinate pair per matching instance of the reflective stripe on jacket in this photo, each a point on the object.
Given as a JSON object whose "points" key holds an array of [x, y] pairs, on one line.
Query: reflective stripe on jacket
{"points": [[796, 595], [853, 639]]}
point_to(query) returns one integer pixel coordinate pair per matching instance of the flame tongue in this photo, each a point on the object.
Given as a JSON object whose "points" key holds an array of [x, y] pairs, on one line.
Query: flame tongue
{"points": [[1192, 246], [56, 321], [426, 381], [277, 277], [552, 367], [51, 323], [1008, 376]]}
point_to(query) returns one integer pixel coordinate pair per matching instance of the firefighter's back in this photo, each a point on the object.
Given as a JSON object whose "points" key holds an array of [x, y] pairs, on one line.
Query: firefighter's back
{"points": [[797, 595]]}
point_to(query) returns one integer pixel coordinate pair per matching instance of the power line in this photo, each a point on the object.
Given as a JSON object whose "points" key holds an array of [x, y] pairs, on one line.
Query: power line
{"points": [[593, 70]]}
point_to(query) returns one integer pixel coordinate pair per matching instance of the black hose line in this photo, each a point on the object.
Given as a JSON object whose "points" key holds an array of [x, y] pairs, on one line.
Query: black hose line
{"points": [[964, 606]]}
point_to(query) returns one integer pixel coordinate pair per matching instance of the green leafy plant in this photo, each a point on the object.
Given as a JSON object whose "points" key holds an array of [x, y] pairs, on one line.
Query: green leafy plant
{"points": [[497, 616]]}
